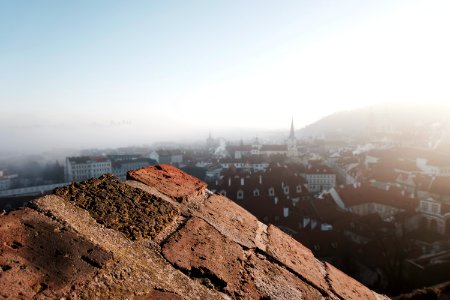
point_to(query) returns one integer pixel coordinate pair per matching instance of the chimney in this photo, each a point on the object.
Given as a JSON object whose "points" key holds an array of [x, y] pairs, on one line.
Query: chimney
{"points": [[275, 200], [242, 181], [402, 193], [286, 212], [229, 181], [260, 179]]}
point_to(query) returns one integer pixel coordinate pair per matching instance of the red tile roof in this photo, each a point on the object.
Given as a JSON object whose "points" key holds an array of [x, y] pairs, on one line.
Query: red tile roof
{"points": [[394, 197]]}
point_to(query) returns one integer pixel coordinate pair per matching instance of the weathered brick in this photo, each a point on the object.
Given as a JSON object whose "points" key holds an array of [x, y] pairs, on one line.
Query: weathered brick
{"points": [[347, 287], [296, 257], [230, 219], [39, 256], [200, 250], [274, 282], [170, 181], [116, 205]]}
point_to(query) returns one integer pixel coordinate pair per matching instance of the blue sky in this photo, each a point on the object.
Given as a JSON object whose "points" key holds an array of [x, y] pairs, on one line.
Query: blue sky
{"points": [[113, 73]]}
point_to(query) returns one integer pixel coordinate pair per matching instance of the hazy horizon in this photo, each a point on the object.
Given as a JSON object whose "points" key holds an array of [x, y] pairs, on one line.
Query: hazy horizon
{"points": [[91, 74]]}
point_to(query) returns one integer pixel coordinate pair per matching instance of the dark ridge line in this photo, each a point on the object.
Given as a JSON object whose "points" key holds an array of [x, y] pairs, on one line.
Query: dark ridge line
{"points": [[181, 225], [328, 280]]}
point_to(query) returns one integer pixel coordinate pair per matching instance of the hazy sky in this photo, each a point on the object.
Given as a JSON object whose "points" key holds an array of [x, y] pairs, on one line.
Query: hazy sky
{"points": [[112, 73]]}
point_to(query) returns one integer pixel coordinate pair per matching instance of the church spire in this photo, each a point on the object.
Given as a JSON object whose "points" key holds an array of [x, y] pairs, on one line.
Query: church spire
{"points": [[292, 135]]}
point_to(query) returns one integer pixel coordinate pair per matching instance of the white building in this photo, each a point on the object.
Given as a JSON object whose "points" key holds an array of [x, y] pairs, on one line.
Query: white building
{"points": [[436, 215], [320, 178], [85, 167], [6, 180], [167, 156]]}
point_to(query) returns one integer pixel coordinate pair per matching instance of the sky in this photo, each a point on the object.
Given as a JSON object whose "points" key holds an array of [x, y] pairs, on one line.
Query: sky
{"points": [[116, 73]]}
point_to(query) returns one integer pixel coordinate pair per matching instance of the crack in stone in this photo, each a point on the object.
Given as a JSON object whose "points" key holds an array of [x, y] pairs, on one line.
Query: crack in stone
{"points": [[301, 277], [328, 281]]}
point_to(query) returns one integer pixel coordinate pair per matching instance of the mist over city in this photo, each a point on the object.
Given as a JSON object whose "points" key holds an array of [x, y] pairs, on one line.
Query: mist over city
{"points": [[329, 121]]}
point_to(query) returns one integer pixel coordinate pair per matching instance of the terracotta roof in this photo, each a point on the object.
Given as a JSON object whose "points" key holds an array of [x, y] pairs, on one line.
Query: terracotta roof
{"points": [[394, 197], [243, 148], [104, 238], [440, 186], [86, 159], [274, 148]]}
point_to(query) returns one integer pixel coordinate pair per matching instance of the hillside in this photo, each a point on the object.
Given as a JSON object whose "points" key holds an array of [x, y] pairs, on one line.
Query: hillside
{"points": [[383, 117]]}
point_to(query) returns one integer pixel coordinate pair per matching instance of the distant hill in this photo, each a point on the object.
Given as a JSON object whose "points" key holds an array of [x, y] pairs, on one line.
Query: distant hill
{"points": [[383, 117]]}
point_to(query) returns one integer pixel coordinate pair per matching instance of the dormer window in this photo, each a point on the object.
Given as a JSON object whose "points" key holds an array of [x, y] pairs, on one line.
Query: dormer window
{"points": [[286, 190], [223, 192], [240, 195], [271, 191], [256, 192], [299, 188]]}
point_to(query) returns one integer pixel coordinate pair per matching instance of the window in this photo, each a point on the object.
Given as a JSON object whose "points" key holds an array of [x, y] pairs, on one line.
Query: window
{"points": [[423, 206], [240, 195], [299, 188], [286, 190], [223, 192], [435, 208]]}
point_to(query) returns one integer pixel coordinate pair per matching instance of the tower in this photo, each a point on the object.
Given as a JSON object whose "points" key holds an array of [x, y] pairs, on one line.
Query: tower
{"points": [[292, 149]]}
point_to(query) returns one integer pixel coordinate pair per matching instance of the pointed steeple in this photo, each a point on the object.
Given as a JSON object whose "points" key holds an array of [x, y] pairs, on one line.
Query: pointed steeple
{"points": [[292, 134]]}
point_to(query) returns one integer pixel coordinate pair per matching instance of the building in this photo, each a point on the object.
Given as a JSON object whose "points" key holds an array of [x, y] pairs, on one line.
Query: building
{"points": [[289, 149], [85, 167], [436, 215], [122, 166], [276, 183], [364, 200], [7, 180], [320, 177], [291, 143], [167, 156]]}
